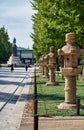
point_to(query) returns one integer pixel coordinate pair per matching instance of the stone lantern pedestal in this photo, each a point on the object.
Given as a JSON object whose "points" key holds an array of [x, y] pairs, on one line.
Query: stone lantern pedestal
{"points": [[70, 87], [51, 66], [14, 59], [51, 81], [70, 70]]}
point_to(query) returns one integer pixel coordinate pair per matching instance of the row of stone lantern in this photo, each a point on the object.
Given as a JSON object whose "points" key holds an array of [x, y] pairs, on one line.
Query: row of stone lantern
{"points": [[47, 65], [69, 53]]}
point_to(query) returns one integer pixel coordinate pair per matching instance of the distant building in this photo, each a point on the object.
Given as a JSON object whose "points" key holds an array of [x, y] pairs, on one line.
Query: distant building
{"points": [[25, 55]]}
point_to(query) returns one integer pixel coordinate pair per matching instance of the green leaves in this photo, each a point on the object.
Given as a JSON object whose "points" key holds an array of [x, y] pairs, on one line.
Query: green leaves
{"points": [[5, 45], [53, 19]]}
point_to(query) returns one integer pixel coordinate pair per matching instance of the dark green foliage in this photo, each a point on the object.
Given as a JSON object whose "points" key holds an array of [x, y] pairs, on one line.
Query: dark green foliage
{"points": [[52, 20], [5, 45]]}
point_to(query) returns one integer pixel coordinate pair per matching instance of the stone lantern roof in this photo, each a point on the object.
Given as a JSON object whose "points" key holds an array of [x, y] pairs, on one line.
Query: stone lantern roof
{"points": [[71, 47]]}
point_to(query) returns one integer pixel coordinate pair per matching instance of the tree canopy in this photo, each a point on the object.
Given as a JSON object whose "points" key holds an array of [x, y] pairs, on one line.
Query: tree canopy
{"points": [[52, 20], [5, 45]]}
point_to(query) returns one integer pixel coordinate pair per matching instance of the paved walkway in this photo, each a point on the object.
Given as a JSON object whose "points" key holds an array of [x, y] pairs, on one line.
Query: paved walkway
{"points": [[11, 115]]}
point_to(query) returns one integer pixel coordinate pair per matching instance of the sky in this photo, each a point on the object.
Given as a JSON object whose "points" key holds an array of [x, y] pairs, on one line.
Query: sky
{"points": [[15, 16]]}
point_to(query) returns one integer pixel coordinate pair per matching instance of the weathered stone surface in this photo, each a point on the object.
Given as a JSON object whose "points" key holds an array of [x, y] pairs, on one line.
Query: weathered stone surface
{"points": [[70, 70], [41, 66], [51, 66], [45, 66]]}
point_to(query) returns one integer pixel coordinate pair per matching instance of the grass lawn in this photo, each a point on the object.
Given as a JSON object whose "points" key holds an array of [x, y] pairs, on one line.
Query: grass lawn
{"points": [[49, 97]]}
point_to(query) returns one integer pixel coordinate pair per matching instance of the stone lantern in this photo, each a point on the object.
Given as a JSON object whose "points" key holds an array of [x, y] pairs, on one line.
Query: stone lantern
{"points": [[70, 70], [40, 62], [45, 66], [51, 66]]}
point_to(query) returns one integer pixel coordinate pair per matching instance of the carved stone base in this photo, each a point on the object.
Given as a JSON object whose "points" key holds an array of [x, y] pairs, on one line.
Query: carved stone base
{"points": [[14, 60], [66, 106], [45, 76], [51, 83]]}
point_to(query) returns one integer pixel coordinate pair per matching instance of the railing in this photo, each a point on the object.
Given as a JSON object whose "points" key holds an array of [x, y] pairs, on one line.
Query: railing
{"points": [[35, 103]]}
